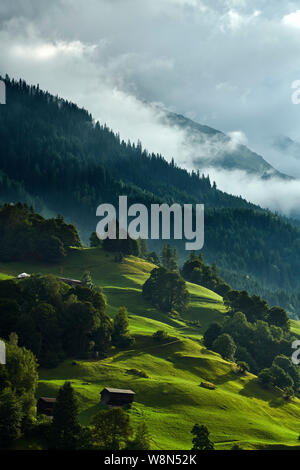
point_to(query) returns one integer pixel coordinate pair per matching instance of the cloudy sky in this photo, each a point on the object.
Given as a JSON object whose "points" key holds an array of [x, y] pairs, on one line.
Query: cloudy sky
{"points": [[229, 64]]}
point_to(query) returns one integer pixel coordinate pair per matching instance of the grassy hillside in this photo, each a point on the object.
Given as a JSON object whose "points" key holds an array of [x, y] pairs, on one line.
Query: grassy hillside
{"points": [[171, 400], [295, 327]]}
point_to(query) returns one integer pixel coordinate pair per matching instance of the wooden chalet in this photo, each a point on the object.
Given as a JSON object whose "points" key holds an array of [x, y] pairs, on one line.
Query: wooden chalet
{"points": [[46, 405], [117, 396]]}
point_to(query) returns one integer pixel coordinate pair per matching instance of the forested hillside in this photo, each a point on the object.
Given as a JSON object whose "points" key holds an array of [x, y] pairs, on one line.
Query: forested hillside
{"points": [[25, 235], [55, 157], [180, 366]]}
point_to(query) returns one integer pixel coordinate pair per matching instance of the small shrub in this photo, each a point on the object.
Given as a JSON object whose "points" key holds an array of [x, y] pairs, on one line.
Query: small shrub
{"points": [[41, 428], [193, 323], [125, 341], [139, 373], [208, 385], [160, 336], [242, 367]]}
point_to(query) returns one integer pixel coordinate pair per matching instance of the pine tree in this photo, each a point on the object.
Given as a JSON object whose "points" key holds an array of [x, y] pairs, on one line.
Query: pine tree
{"points": [[166, 255], [65, 425], [143, 248], [94, 240], [10, 416], [173, 263], [120, 336], [87, 280], [121, 323], [201, 440]]}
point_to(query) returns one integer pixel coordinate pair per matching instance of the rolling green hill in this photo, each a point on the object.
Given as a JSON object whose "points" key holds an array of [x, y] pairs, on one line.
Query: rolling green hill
{"points": [[171, 400]]}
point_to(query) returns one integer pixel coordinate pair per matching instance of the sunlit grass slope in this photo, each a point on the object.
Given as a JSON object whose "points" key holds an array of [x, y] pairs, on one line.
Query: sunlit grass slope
{"points": [[295, 327], [171, 400]]}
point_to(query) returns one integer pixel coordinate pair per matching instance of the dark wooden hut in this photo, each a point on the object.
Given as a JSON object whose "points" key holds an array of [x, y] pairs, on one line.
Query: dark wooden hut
{"points": [[46, 405], [117, 396]]}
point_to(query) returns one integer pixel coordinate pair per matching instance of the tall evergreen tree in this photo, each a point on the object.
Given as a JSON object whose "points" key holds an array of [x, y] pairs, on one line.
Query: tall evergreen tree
{"points": [[87, 280], [201, 439], [94, 240], [10, 417], [65, 429], [121, 323], [120, 336]]}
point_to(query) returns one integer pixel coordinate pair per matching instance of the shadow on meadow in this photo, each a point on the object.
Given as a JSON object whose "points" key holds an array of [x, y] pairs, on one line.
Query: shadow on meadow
{"points": [[253, 389]]}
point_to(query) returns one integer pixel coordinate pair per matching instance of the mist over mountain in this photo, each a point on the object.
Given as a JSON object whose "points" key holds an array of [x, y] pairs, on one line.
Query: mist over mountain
{"points": [[288, 146], [118, 114], [240, 171], [54, 156], [212, 148]]}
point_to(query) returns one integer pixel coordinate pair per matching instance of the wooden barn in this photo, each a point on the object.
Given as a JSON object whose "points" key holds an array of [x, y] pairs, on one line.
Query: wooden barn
{"points": [[46, 405], [117, 396]]}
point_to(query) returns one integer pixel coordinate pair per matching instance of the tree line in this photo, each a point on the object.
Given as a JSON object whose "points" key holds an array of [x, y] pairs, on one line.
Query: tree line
{"points": [[56, 321], [27, 236]]}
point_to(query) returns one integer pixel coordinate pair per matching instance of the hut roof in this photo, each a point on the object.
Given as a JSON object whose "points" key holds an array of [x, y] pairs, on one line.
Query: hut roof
{"points": [[119, 390], [48, 400]]}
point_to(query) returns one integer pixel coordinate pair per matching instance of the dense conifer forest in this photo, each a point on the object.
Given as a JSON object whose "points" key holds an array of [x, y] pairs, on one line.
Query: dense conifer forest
{"points": [[55, 157]]}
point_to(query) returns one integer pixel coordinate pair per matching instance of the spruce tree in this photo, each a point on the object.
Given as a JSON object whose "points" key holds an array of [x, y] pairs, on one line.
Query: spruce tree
{"points": [[120, 336], [94, 240], [87, 280], [201, 440], [10, 417], [65, 426]]}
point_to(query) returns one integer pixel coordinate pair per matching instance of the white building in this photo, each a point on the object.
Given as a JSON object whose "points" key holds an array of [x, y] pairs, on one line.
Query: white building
{"points": [[23, 275], [2, 352]]}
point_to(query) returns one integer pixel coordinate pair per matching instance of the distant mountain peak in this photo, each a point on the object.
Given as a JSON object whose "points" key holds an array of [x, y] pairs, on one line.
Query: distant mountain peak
{"points": [[284, 143], [211, 148]]}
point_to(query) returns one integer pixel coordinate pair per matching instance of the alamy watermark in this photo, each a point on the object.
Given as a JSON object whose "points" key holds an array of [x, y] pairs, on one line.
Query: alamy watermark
{"points": [[2, 352], [2, 92], [296, 353], [164, 222]]}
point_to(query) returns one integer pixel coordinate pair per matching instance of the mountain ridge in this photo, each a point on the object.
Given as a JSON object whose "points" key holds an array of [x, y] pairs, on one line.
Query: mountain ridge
{"points": [[222, 151]]}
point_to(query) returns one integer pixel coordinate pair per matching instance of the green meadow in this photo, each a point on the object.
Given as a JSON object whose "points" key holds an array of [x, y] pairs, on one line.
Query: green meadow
{"points": [[171, 399]]}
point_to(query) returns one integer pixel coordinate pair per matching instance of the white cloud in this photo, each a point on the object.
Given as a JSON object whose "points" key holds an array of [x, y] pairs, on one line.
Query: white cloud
{"points": [[237, 138], [192, 3], [236, 3], [88, 77], [113, 56], [292, 19], [198, 4], [45, 51], [275, 194], [233, 20]]}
